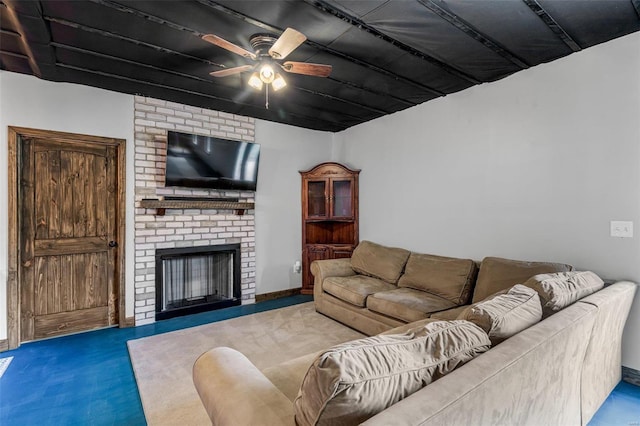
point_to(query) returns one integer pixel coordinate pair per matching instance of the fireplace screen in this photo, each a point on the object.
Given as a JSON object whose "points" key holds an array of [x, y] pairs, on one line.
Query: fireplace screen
{"points": [[196, 279]]}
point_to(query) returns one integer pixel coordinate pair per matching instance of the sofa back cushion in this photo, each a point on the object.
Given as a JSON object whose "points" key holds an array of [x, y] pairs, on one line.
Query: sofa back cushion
{"points": [[375, 260], [351, 382], [497, 274], [561, 289], [505, 313], [447, 277]]}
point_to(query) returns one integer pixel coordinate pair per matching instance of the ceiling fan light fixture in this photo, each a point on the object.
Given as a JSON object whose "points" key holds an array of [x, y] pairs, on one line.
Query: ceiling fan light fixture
{"points": [[255, 81], [278, 82], [267, 74]]}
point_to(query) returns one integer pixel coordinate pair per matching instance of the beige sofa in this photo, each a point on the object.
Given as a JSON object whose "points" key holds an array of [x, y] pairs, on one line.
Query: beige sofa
{"points": [[555, 372], [384, 287]]}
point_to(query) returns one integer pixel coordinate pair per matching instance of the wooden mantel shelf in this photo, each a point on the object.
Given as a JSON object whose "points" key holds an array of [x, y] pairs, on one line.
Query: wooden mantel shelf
{"points": [[162, 205]]}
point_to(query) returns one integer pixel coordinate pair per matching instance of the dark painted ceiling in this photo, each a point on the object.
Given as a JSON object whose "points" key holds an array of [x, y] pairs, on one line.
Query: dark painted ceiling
{"points": [[387, 55]]}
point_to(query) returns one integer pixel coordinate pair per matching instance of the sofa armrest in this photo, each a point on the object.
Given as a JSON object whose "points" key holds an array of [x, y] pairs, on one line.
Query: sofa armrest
{"points": [[234, 392], [322, 269], [532, 378]]}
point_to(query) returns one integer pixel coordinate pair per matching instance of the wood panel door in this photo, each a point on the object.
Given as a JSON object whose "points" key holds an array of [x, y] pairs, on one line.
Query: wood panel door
{"points": [[68, 234]]}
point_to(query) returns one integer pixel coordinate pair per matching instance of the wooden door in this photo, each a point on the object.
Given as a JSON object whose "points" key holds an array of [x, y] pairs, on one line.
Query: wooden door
{"points": [[68, 213]]}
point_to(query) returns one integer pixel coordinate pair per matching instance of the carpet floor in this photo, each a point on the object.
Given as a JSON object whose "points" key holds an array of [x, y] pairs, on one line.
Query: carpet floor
{"points": [[87, 378], [163, 363]]}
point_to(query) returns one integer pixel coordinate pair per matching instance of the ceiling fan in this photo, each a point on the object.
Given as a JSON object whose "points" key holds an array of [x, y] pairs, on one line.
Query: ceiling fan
{"points": [[269, 51]]}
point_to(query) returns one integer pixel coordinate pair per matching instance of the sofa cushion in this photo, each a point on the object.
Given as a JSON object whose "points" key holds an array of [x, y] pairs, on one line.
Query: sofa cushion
{"points": [[354, 289], [379, 261], [446, 277], [352, 382], [407, 304], [449, 314], [401, 329], [505, 313], [561, 289], [498, 274]]}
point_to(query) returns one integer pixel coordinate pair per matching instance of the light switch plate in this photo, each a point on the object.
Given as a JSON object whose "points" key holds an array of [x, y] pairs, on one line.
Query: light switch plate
{"points": [[621, 229]]}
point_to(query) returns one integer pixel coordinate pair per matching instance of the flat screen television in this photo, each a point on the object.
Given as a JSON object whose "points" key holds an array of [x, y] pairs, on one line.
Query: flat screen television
{"points": [[207, 162]]}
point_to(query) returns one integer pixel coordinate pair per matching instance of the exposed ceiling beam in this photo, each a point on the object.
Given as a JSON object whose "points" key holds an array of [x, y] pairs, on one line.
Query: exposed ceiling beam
{"points": [[129, 40], [335, 98], [190, 92], [205, 80], [119, 59], [552, 24], [147, 16], [360, 24], [469, 30], [372, 91], [176, 26], [320, 47], [10, 33], [14, 54], [33, 64]]}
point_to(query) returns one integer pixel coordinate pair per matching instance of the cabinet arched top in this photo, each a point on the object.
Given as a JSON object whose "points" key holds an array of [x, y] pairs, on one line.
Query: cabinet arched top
{"points": [[328, 169]]}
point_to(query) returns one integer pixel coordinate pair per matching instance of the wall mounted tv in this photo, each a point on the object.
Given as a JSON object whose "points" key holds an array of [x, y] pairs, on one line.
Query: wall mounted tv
{"points": [[207, 162]]}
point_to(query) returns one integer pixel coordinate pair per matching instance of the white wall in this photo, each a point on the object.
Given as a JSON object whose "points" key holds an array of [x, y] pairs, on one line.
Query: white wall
{"points": [[26, 101], [530, 167], [284, 151]]}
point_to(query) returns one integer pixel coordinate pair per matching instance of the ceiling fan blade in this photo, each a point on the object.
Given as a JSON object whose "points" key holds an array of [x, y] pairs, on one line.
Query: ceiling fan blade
{"points": [[220, 42], [317, 70], [230, 71], [287, 43]]}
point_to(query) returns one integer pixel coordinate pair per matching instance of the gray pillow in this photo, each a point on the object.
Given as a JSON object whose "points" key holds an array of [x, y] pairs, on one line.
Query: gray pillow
{"points": [[352, 382], [505, 313], [561, 289]]}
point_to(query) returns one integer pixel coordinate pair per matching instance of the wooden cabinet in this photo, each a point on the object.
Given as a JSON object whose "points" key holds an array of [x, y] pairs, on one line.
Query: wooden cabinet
{"points": [[329, 216]]}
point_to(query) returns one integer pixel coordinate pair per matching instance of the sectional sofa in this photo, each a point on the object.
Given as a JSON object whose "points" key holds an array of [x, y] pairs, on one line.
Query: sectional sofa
{"points": [[545, 352], [384, 287]]}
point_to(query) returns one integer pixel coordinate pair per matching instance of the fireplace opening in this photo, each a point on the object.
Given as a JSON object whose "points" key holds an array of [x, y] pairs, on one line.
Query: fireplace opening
{"points": [[197, 279]]}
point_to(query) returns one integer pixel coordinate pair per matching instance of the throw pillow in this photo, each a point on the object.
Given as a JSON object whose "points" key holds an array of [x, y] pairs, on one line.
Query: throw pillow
{"points": [[498, 274], [505, 313], [386, 263], [560, 290], [352, 382], [447, 277]]}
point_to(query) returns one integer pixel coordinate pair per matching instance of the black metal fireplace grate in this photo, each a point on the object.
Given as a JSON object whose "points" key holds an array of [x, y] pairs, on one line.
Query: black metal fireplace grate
{"points": [[197, 279]]}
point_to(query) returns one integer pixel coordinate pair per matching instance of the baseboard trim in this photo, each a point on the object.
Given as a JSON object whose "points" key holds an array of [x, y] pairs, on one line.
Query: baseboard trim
{"points": [[277, 294], [4, 345], [630, 375], [129, 322]]}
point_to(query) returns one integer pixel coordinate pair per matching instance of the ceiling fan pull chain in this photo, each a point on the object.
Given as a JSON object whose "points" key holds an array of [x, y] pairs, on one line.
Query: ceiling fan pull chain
{"points": [[267, 92]]}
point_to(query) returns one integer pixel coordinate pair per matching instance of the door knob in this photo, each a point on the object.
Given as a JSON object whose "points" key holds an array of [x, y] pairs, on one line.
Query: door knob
{"points": [[113, 244]]}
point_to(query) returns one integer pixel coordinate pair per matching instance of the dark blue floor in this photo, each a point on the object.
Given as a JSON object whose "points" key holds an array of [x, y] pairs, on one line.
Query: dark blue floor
{"points": [[87, 379], [622, 407]]}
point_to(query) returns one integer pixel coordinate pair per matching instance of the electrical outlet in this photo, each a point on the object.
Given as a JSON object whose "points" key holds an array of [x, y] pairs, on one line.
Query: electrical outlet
{"points": [[297, 267], [621, 229]]}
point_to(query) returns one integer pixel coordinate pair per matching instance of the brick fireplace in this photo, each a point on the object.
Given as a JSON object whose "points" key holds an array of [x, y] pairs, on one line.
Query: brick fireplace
{"points": [[182, 228]]}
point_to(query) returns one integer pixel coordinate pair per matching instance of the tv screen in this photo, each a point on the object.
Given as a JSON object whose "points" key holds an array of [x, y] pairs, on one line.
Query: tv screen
{"points": [[207, 162]]}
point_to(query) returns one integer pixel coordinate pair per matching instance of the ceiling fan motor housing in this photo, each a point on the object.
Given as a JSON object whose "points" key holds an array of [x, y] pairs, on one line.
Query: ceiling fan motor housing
{"points": [[261, 43]]}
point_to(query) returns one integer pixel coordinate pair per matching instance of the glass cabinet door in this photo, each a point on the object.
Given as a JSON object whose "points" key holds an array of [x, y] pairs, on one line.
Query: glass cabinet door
{"points": [[317, 199], [342, 205]]}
